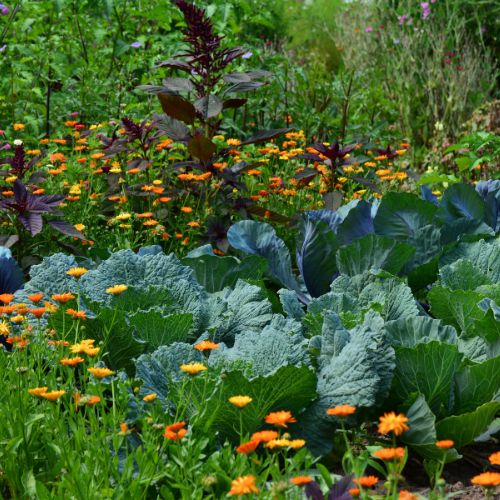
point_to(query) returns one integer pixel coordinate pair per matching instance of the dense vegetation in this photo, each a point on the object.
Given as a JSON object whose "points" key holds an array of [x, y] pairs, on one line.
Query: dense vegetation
{"points": [[261, 264]]}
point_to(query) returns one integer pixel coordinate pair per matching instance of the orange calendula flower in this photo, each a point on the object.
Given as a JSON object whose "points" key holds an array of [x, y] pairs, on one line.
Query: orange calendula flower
{"points": [[494, 458], [445, 444], [175, 431], [116, 289], [53, 395], [35, 297], [390, 422], [341, 411], [487, 479], [38, 312], [406, 495], [354, 492], [186, 210], [280, 418], [6, 298], [38, 391], [301, 480], [264, 436], [71, 361], [240, 401], [91, 400], [63, 297], [367, 481], [100, 372], [77, 272], [193, 368], [390, 453], [243, 485], [248, 447], [150, 397], [206, 345], [124, 430], [76, 314]]}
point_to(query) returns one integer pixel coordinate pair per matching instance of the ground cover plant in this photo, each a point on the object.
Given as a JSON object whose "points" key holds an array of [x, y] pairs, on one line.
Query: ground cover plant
{"points": [[240, 266]]}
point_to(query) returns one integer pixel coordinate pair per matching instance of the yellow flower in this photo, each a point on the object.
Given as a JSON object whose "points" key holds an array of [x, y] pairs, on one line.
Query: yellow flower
{"points": [[77, 272], [19, 126], [193, 368], [123, 216], [79, 227], [4, 328], [52, 395], [117, 289], [100, 372], [150, 397], [240, 401], [38, 391]]}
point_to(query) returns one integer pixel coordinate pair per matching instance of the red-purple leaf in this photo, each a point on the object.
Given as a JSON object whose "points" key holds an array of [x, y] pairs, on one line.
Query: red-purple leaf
{"points": [[66, 228], [201, 147], [177, 107]]}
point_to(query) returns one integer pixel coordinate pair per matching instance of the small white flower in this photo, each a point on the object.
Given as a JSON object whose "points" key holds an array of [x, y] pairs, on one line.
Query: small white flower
{"points": [[18, 142]]}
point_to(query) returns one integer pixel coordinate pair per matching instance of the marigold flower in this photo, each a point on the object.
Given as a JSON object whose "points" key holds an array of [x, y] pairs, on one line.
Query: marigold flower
{"points": [[280, 418], [301, 480], [206, 345], [124, 430], [19, 318], [91, 400], [6, 298], [38, 312], [175, 431], [52, 395], [341, 410], [243, 485], [116, 289], [71, 361], [77, 272], [63, 297], [38, 391], [390, 453], [186, 210], [19, 126], [240, 401], [35, 297], [354, 492], [150, 397], [193, 368], [277, 443], [4, 329], [100, 372], [390, 422], [487, 479], [367, 481], [247, 447], [264, 436], [445, 444], [494, 458], [76, 314], [406, 495], [297, 443]]}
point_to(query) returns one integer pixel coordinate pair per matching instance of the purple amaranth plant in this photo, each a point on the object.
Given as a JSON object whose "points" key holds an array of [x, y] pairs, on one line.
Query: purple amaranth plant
{"points": [[20, 166], [338, 491], [29, 210]]}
